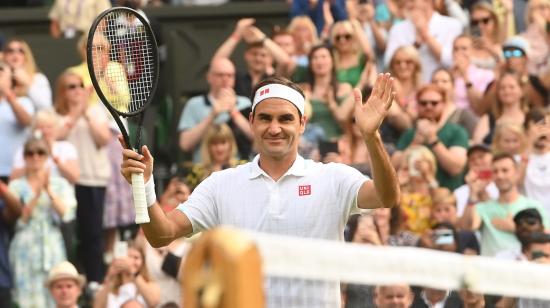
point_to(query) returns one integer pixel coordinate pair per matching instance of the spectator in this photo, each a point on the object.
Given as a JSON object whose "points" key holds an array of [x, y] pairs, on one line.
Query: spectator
{"points": [[510, 106], [322, 12], [28, 80], [128, 278], [493, 218], [218, 152], [470, 81], [331, 101], [393, 296], [526, 223], [219, 105], [82, 68], [510, 138], [10, 210], [537, 17], [362, 229], [390, 224], [176, 192], [15, 115], [37, 245], [294, 69], [352, 54], [488, 35], [536, 250], [65, 285], [448, 143], [305, 36], [479, 179], [464, 117], [406, 67], [427, 30], [87, 128], [471, 299], [70, 18]]}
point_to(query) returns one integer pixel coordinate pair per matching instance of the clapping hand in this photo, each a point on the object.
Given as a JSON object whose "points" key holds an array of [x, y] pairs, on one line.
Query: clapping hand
{"points": [[369, 116]]}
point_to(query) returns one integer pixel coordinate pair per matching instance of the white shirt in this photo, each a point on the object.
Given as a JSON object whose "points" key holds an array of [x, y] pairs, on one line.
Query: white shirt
{"points": [[537, 179], [444, 29], [310, 200]]}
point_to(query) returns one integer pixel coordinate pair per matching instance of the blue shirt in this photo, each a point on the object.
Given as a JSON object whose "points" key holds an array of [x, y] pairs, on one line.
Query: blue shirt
{"points": [[12, 133]]}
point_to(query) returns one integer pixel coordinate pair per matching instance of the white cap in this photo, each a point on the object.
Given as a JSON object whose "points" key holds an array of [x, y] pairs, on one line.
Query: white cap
{"points": [[64, 270], [279, 91]]}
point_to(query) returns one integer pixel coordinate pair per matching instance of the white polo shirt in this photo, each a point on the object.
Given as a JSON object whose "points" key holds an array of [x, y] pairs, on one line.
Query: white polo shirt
{"points": [[311, 199]]}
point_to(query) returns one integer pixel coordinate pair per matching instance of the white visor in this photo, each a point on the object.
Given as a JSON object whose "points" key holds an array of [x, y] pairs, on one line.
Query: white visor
{"points": [[279, 91]]}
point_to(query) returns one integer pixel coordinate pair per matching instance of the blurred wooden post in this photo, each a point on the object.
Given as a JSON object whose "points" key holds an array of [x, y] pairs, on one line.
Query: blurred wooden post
{"points": [[223, 270]]}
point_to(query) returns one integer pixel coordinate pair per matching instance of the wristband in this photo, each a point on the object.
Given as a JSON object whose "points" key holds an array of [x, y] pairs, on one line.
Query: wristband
{"points": [[150, 196]]}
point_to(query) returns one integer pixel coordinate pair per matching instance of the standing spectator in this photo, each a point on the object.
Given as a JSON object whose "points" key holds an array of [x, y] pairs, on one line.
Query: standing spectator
{"points": [[331, 101], [37, 245], [219, 105], [65, 285], [372, 20], [448, 143], [322, 12], [464, 117], [494, 218], [87, 128], [72, 18], [82, 68], [510, 106], [305, 36], [406, 67], [352, 54], [537, 18], [510, 138], [526, 222], [28, 80], [15, 115], [10, 210], [427, 30], [488, 35], [470, 81]]}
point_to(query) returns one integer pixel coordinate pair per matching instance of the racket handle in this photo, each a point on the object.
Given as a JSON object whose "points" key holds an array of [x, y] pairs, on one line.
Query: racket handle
{"points": [[138, 190]]}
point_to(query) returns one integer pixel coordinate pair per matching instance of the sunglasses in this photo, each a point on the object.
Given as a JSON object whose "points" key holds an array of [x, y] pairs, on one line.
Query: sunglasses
{"points": [[14, 50], [513, 53], [39, 152], [339, 37], [425, 103], [73, 86], [406, 62], [485, 21]]}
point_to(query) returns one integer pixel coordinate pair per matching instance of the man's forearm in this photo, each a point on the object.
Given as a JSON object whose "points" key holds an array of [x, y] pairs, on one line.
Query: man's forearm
{"points": [[383, 173], [452, 164], [192, 136], [161, 231]]}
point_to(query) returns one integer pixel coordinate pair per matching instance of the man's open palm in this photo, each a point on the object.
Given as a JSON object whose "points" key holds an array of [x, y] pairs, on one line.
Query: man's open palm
{"points": [[370, 115]]}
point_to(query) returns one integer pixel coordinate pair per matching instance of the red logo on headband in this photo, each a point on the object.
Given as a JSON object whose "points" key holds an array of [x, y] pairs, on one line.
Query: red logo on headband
{"points": [[264, 91]]}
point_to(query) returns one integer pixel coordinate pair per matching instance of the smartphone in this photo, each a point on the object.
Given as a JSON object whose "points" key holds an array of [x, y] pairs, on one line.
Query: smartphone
{"points": [[413, 158], [443, 237], [326, 147], [485, 174], [120, 250]]}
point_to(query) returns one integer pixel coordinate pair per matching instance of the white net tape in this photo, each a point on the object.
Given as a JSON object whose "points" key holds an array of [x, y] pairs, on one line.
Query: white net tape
{"points": [[329, 261]]}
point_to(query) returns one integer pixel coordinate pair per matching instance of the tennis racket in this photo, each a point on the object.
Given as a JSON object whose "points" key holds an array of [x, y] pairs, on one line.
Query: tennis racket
{"points": [[124, 67]]}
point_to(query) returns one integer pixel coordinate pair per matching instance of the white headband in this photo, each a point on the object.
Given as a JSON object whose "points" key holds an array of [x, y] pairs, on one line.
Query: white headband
{"points": [[279, 91]]}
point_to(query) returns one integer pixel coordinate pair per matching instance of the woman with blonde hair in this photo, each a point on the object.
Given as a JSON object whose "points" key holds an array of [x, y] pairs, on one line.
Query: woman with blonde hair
{"points": [[305, 36], [352, 53], [537, 16], [509, 138], [406, 67], [28, 80], [488, 33]]}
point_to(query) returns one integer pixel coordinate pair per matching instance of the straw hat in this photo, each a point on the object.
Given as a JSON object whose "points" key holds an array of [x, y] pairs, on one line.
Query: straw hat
{"points": [[64, 270]]}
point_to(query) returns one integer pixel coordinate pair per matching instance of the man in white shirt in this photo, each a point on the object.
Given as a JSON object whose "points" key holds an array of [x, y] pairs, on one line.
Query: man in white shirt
{"points": [[432, 33], [280, 192]]}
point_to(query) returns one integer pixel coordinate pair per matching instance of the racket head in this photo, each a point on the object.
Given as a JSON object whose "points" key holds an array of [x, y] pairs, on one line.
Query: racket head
{"points": [[123, 63]]}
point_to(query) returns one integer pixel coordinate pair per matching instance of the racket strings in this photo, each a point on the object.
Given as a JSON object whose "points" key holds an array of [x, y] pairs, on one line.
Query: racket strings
{"points": [[124, 61]]}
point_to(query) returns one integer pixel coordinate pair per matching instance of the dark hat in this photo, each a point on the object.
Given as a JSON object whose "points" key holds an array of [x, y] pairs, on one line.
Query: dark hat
{"points": [[531, 213], [478, 147]]}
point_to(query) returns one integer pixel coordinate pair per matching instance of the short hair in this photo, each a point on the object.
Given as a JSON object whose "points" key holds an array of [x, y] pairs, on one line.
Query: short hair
{"points": [[431, 87], [443, 195], [276, 80], [503, 156], [533, 116], [502, 129], [252, 45]]}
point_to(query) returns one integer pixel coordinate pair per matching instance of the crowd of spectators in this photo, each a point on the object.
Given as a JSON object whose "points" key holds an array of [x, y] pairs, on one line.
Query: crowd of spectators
{"points": [[468, 133]]}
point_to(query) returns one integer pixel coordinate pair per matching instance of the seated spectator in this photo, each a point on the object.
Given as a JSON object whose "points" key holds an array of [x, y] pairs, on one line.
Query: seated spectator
{"points": [[362, 229], [464, 117], [493, 218], [352, 53], [331, 101], [176, 192], [390, 224], [128, 278], [432, 33], [218, 152], [406, 70], [510, 106], [479, 179], [536, 19], [15, 116], [471, 299], [526, 222], [37, 245], [219, 105], [448, 143], [470, 81], [510, 138], [488, 34], [392, 296], [65, 285], [536, 250], [29, 81], [69, 19]]}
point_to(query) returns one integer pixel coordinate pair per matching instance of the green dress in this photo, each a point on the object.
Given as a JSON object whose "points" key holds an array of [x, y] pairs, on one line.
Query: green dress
{"points": [[322, 116], [352, 75]]}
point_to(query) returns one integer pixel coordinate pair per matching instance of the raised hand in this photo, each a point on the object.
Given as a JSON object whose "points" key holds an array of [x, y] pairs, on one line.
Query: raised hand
{"points": [[369, 116], [133, 162], [242, 25]]}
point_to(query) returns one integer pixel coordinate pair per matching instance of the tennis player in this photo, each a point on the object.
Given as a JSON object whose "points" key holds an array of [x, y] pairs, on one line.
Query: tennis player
{"points": [[279, 191]]}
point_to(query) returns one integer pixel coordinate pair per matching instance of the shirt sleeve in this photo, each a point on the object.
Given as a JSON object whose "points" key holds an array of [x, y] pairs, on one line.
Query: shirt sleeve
{"points": [[40, 92], [405, 139], [348, 181], [460, 137], [188, 117], [201, 208]]}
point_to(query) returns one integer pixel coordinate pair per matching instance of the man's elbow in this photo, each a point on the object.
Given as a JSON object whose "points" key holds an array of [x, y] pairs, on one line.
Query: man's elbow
{"points": [[184, 143]]}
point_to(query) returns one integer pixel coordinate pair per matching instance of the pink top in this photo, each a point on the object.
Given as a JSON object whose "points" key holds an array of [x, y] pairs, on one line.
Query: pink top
{"points": [[479, 78]]}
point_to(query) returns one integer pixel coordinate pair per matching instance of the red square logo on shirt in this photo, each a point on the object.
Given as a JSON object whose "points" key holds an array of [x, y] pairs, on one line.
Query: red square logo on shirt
{"points": [[304, 190]]}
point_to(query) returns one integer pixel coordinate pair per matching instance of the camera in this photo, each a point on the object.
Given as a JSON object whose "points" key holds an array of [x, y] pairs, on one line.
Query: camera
{"points": [[443, 237]]}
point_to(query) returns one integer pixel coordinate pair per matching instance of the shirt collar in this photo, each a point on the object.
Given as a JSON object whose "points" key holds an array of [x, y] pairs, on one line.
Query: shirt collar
{"points": [[298, 168]]}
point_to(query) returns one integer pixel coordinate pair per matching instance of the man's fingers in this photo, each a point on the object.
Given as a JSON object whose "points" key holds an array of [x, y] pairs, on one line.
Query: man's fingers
{"points": [[358, 97], [387, 86], [130, 154], [146, 153], [130, 163], [121, 140]]}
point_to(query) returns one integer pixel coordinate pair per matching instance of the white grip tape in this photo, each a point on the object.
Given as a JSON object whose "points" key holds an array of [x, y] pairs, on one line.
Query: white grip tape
{"points": [[140, 202]]}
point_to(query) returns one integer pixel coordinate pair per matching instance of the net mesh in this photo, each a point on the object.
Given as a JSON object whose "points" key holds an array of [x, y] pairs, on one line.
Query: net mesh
{"points": [[309, 273], [123, 61]]}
